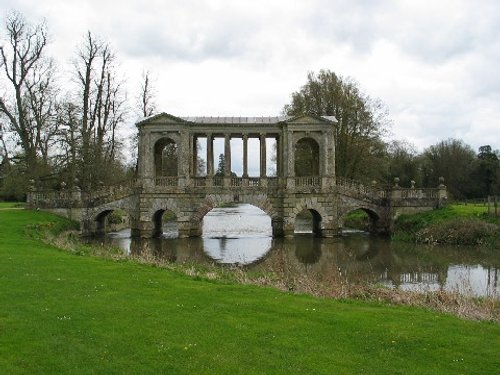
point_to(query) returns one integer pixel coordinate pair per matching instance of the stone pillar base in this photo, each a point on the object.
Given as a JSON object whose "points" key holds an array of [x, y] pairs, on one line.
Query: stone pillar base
{"points": [[189, 229], [142, 229], [331, 232], [277, 225]]}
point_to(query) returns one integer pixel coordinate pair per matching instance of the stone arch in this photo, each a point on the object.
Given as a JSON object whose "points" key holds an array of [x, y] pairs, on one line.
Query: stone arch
{"points": [[166, 157], [158, 208], [374, 216], [317, 220], [320, 216], [211, 201], [307, 152], [158, 221], [100, 221]]}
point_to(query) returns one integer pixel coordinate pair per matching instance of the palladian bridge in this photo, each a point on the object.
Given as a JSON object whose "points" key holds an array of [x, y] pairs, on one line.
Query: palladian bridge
{"points": [[169, 177]]}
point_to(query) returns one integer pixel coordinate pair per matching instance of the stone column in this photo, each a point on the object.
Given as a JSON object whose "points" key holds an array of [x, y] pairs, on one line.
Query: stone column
{"points": [[227, 155], [289, 161], [210, 155], [279, 160], [194, 145], [245, 156], [262, 155]]}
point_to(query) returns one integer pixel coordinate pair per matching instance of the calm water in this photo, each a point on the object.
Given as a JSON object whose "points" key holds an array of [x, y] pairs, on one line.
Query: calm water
{"points": [[242, 235]]}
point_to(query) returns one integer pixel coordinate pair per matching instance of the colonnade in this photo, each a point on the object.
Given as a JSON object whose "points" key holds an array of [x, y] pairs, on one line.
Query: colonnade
{"points": [[210, 137]]}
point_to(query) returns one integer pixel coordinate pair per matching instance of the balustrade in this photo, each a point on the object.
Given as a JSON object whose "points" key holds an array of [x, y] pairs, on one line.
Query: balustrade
{"points": [[166, 181], [307, 181]]}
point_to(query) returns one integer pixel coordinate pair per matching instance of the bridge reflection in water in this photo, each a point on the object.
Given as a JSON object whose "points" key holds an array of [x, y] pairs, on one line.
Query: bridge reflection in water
{"points": [[242, 235]]}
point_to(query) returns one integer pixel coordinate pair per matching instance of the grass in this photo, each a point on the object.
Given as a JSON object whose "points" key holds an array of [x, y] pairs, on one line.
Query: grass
{"points": [[62, 313], [357, 219], [11, 205], [453, 224]]}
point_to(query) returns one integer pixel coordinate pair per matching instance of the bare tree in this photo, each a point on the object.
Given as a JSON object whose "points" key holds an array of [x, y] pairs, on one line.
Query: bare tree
{"points": [[147, 97], [28, 103], [69, 137], [102, 107]]}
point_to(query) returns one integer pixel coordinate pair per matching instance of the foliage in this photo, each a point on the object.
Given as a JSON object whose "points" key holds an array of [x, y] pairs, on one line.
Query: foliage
{"points": [[361, 121], [357, 219], [115, 217], [105, 316]]}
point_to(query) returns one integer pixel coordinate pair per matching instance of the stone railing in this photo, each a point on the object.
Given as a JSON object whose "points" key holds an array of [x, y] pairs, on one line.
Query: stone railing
{"points": [[75, 198], [54, 198], [413, 193], [166, 181], [393, 193], [106, 194], [352, 187], [308, 181]]}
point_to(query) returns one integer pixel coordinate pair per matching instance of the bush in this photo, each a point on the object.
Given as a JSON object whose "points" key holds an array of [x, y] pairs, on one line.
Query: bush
{"points": [[458, 231], [115, 217]]}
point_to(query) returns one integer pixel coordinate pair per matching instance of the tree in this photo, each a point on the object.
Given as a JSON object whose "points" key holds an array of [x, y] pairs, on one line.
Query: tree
{"points": [[220, 166], [29, 105], [69, 137], [403, 162], [146, 102], [102, 102], [453, 160], [487, 171], [361, 121]]}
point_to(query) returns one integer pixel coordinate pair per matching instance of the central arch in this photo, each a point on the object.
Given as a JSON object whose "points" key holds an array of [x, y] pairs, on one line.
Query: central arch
{"points": [[258, 200]]}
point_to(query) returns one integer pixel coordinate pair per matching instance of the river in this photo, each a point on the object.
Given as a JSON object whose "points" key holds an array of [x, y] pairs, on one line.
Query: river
{"points": [[242, 235]]}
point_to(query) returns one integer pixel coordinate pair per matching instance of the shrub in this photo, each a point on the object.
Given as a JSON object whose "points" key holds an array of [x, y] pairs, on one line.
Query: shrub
{"points": [[458, 231]]}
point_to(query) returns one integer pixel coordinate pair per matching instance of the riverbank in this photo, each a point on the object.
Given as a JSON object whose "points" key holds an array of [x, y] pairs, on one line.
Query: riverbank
{"points": [[453, 225], [63, 313]]}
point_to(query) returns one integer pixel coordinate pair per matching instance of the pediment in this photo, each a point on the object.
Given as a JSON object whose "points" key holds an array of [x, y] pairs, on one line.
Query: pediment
{"points": [[310, 119], [162, 119]]}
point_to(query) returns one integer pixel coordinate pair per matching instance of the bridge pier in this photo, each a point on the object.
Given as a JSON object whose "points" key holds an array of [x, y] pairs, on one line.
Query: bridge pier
{"points": [[278, 227], [189, 229]]}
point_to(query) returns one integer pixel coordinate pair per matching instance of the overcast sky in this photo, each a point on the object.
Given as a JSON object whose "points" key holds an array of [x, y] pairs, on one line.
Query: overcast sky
{"points": [[435, 64]]}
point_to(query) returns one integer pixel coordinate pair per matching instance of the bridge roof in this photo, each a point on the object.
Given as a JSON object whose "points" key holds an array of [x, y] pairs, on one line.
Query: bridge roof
{"points": [[236, 120], [233, 119]]}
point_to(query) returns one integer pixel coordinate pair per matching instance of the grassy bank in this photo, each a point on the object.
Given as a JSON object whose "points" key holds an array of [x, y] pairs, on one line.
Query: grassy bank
{"points": [[63, 313], [453, 224]]}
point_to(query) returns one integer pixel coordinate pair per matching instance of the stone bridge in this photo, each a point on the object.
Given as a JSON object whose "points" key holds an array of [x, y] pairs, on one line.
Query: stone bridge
{"points": [[173, 176]]}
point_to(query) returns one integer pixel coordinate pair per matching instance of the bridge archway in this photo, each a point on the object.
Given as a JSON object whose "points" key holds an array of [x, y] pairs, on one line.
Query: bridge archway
{"points": [[373, 218], [259, 201], [100, 221], [166, 158], [307, 157], [104, 218], [162, 218], [308, 221]]}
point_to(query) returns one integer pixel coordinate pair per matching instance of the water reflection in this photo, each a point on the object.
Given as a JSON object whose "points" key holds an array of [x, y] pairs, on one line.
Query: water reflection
{"points": [[356, 258]]}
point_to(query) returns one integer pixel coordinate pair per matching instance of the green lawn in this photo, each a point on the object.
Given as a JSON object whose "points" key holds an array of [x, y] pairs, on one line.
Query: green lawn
{"points": [[11, 205], [67, 314]]}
